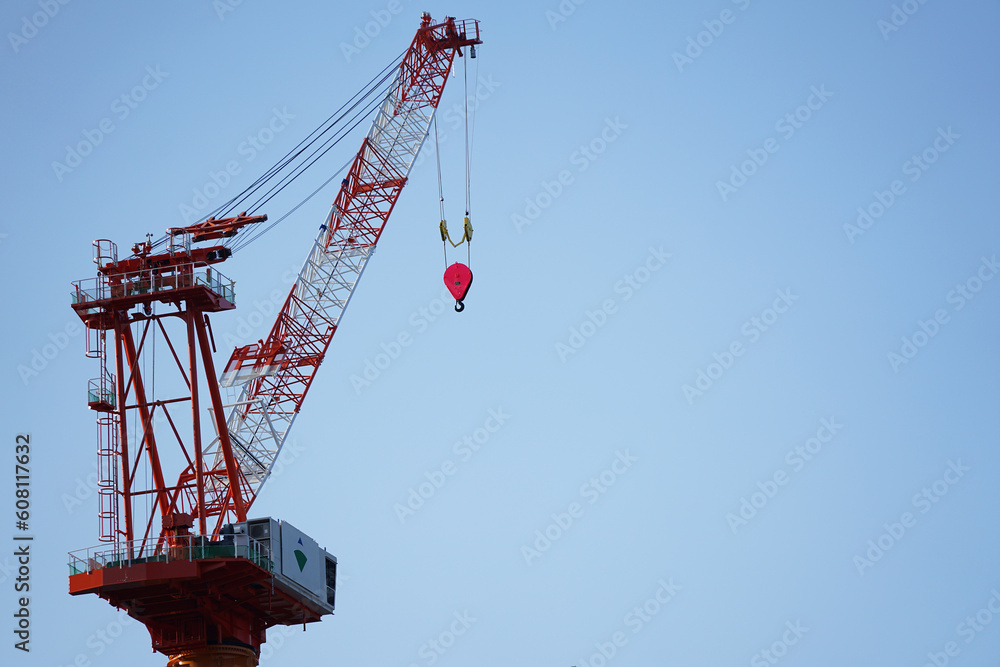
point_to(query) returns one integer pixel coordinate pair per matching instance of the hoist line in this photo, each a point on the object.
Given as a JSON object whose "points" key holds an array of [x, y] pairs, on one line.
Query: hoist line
{"points": [[256, 233], [437, 156], [468, 163], [311, 159], [472, 141], [297, 206], [373, 86], [378, 80], [468, 194], [466, 229]]}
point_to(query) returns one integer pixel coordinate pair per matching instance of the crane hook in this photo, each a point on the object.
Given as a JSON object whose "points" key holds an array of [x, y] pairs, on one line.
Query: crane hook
{"points": [[458, 280]]}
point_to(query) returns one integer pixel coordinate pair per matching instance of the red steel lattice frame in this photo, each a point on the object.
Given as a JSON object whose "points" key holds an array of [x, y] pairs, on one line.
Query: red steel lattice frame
{"points": [[215, 482]]}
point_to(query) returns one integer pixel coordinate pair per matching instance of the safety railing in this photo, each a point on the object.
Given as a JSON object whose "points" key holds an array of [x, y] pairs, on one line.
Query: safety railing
{"points": [[183, 548], [149, 281], [467, 29], [101, 390]]}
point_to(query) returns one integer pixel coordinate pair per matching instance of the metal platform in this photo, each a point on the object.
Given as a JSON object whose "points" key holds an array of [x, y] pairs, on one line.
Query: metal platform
{"points": [[192, 592]]}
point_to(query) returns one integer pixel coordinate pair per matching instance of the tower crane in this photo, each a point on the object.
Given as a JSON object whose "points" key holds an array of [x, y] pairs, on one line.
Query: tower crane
{"points": [[183, 557]]}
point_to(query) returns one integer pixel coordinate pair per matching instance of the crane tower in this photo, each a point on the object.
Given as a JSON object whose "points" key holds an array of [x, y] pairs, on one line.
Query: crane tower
{"points": [[179, 550]]}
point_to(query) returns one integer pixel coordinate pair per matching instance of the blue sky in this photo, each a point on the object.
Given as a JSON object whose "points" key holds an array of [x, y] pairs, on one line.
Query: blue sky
{"points": [[730, 355]]}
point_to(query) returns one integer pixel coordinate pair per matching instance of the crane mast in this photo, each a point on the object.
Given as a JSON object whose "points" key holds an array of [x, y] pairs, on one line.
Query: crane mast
{"points": [[208, 596]]}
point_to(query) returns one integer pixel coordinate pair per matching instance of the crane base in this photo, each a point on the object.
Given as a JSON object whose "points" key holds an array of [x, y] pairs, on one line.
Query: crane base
{"points": [[215, 656]]}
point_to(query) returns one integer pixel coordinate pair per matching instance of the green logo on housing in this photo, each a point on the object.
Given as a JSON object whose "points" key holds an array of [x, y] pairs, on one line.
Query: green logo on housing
{"points": [[300, 557]]}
